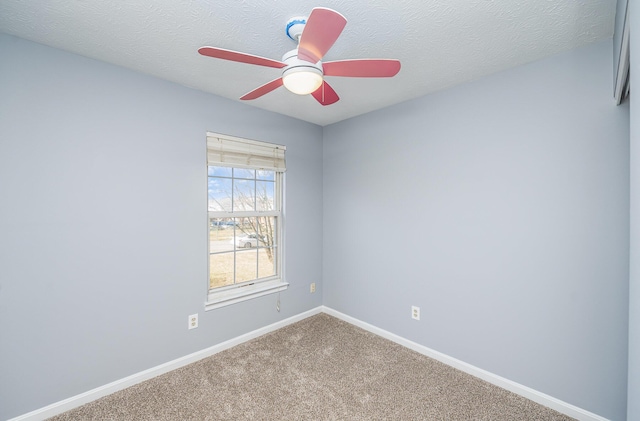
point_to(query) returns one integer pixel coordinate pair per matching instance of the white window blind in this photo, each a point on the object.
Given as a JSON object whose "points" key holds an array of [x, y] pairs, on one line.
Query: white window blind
{"points": [[230, 151]]}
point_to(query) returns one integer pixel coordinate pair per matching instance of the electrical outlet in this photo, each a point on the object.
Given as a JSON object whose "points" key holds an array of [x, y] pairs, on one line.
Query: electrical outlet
{"points": [[312, 288], [415, 313], [193, 321]]}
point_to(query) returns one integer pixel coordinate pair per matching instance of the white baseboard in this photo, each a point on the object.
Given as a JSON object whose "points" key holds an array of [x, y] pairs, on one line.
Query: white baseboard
{"points": [[527, 392], [91, 395]]}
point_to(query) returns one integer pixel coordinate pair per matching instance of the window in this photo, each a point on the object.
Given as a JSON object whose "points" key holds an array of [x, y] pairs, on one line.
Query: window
{"points": [[245, 191]]}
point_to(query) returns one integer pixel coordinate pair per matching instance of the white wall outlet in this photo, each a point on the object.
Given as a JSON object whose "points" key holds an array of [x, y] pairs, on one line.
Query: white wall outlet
{"points": [[193, 321], [415, 313], [312, 288]]}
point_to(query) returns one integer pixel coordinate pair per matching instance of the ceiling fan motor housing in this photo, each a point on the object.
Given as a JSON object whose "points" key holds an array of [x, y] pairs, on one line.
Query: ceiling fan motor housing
{"points": [[292, 61]]}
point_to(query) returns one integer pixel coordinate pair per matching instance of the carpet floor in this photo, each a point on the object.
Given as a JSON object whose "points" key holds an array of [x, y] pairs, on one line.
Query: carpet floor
{"points": [[320, 368]]}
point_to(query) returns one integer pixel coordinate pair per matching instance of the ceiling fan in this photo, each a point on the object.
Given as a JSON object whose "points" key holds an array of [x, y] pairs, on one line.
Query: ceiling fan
{"points": [[303, 69]]}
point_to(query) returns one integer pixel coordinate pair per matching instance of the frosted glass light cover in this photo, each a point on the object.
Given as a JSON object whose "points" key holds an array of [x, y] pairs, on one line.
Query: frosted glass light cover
{"points": [[302, 82]]}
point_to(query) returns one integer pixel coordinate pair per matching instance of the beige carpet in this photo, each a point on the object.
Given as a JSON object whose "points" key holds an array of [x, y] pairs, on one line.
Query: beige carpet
{"points": [[318, 369]]}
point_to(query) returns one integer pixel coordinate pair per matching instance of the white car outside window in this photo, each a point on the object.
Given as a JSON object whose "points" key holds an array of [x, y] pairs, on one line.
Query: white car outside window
{"points": [[247, 241]]}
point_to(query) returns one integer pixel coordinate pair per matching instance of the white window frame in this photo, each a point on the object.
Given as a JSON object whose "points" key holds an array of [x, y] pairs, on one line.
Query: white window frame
{"points": [[249, 154]]}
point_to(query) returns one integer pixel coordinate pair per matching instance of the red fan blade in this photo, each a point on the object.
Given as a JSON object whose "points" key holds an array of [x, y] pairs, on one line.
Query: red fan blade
{"points": [[362, 68], [321, 31], [264, 89], [240, 57], [325, 94]]}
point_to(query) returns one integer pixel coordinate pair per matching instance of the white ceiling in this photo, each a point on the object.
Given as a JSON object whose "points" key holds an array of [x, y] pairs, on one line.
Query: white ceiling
{"points": [[441, 43]]}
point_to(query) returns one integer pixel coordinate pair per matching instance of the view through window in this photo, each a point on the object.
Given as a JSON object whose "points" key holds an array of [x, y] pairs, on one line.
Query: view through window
{"points": [[243, 225], [245, 199]]}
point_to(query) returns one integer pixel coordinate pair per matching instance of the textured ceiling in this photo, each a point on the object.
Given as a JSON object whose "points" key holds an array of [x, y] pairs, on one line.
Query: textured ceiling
{"points": [[440, 43]]}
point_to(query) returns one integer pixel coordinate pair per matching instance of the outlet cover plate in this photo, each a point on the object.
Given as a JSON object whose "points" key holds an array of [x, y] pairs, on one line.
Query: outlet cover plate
{"points": [[415, 312], [193, 321]]}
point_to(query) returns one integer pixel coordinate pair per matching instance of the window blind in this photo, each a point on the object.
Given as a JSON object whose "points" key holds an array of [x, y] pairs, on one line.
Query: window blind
{"points": [[228, 151]]}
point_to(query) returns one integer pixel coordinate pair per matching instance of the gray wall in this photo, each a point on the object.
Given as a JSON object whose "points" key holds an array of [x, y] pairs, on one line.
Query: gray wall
{"points": [[633, 394], [501, 208], [103, 249]]}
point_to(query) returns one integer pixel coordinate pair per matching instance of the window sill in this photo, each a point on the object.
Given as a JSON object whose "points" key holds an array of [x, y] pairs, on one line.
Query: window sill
{"points": [[217, 299]]}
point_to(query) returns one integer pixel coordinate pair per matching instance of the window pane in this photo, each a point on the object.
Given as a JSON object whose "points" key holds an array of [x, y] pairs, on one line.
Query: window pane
{"points": [[243, 173], [219, 171], [244, 195], [267, 230], [242, 249], [265, 195], [265, 175], [219, 194], [266, 262], [220, 270], [246, 265], [220, 234]]}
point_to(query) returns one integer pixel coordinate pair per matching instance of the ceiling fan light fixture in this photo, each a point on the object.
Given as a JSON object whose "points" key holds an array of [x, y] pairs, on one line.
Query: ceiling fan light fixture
{"points": [[302, 80], [303, 69]]}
